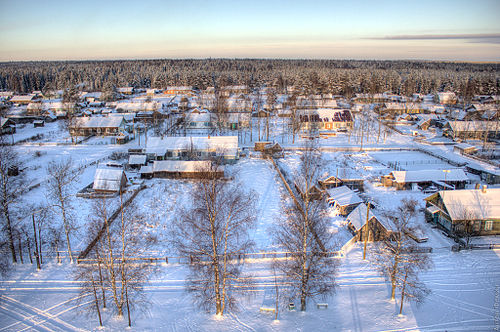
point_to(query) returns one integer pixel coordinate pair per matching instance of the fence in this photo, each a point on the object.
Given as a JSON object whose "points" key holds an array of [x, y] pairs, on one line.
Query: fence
{"points": [[240, 258]]}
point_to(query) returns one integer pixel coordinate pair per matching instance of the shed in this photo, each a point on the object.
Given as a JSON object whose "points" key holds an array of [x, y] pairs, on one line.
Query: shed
{"points": [[376, 230], [137, 160], [343, 198], [109, 180], [7, 126], [442, 178], [183, 169]]}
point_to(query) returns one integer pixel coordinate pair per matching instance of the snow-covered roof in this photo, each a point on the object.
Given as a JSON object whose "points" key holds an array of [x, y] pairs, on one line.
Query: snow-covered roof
{"points": [[357, 218], [473, 125], [95, 95], [343, 196], [139, 106], [108, 179], [146, 169], [3, 121], [482, 205], [228, 144], [100, 122], [455, 174], [137, 159], [189, 166], [16, 99]]}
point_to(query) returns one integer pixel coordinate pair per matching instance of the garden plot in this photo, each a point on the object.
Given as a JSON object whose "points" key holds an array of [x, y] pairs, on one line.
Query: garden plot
{"points": [[409, 160]]}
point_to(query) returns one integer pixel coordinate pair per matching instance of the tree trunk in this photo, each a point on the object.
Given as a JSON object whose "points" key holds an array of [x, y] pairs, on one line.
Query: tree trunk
{"points": [[29, 251], [20, 247], [66, 230], [128, 307], [101, 282], [403, 294], [9, 232], [393, 280], [40, 244], [96, 300]]}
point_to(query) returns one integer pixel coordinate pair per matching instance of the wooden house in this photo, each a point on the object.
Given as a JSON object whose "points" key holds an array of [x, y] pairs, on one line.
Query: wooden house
{"points": [[7, 126], [446, 98], [137, 160], [100, 126], [373, 227], [183, 169], [23, 99], [343, 199], [451, 208], [126, 90], [343, 177], [313, 191], [109, 180], [193, 148], [326, 119], [179, 90], [407, 180], [472, 129]]}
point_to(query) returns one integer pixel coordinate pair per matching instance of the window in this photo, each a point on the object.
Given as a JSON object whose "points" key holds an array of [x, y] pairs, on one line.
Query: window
{"points": [[488, 226]]}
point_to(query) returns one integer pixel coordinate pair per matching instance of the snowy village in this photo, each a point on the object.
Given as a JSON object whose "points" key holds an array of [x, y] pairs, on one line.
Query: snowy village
{"points": [[250, 192]]}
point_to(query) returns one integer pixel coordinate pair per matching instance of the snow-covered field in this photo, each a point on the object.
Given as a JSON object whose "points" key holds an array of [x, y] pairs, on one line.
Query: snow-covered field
{"points": [[465, 294], [465, 285]]}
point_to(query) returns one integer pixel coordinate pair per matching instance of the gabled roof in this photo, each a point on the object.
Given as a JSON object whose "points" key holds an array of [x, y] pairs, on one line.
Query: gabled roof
{"points": [[357, 218], [100, 122], [137, 159], [180, 166], [108, 179], [228, 144], [455, 174], [19, 98], [473, 125], [481, 205], [343, 196], [4, 121]]}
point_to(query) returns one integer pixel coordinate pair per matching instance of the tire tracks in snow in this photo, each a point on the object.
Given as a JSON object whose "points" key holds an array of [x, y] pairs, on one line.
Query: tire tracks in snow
{"points": [[35, 318]]}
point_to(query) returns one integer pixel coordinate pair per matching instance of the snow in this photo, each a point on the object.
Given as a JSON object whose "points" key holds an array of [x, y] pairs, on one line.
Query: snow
{"points": [[343, 196], [455, 174], [108, 179], [482, 205], [180, 165], [465, 285]]}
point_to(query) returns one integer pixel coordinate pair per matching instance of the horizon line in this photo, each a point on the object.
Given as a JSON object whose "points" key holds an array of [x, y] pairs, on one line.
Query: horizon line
{"points": [[252, 58]]}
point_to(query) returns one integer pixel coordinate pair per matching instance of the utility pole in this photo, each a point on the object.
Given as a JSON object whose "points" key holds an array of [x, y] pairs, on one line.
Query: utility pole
{"points": [[367, 228], [37, 256]]}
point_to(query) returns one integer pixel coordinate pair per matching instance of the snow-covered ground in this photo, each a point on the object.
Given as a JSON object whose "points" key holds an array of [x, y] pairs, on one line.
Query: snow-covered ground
{"points": [[465, 285], [465, 294]]}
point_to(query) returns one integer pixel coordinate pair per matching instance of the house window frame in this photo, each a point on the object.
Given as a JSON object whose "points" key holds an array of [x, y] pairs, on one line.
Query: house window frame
{"points": [[488, 225]]}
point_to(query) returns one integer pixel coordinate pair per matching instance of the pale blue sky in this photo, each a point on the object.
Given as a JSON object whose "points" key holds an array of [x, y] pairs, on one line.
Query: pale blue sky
{"points": [[436, 30]]}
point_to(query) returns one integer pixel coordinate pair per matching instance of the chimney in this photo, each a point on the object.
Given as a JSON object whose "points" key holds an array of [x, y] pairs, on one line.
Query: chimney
{"points": [[484, 189], [478, 186]]}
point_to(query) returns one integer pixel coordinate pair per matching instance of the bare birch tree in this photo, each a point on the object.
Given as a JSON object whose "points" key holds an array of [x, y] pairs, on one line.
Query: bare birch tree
{"points": [[115, 256], [60, 185], [399, 257], [11, 187], [304, 235], [213, 233]]}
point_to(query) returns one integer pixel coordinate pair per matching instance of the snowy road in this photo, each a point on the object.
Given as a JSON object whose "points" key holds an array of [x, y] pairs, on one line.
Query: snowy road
{"points": [[463, 298]]}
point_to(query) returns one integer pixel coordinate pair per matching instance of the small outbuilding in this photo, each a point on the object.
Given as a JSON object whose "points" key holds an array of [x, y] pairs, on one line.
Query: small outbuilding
{"points": [[376, 229], [109, 180], [343, 199], [137, 160]]}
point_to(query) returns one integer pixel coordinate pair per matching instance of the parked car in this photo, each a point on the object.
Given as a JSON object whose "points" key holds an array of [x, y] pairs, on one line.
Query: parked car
{"points": [[430, 190]]}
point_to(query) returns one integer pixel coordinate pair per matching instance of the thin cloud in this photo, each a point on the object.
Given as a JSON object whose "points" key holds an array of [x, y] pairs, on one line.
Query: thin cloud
{"points": [[492, 38]]}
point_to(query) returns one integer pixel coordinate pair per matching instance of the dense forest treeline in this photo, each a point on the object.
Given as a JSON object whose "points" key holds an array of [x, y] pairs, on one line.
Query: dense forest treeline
{"points": [[316, 76]]}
